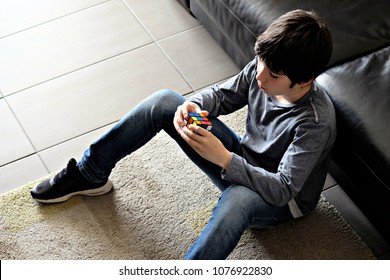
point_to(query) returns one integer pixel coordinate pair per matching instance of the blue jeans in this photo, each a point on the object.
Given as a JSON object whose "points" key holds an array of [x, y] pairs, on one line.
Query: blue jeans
{"points": [[238, 208]]}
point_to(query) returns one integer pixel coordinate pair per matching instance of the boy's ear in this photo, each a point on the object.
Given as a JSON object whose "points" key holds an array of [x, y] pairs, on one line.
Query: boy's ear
{"points": [[303, 84]]}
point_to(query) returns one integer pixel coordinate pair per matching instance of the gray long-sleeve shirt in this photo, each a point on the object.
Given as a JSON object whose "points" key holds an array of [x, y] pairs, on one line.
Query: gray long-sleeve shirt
{"points": [[285, 147]]}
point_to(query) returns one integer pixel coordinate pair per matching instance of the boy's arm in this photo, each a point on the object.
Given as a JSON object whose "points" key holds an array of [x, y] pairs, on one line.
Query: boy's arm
{"points": [[229, 96], [310, 147]]}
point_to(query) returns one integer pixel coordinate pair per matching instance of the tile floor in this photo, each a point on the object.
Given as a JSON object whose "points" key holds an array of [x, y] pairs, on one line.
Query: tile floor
{"points": [[70, 69]]}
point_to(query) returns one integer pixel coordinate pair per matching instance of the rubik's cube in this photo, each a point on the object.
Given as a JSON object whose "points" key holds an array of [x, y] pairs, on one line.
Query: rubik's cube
{"points": [[198, 119]]}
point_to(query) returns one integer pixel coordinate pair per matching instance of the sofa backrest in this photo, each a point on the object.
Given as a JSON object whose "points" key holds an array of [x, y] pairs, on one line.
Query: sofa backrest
{"points": [[358, 27]]}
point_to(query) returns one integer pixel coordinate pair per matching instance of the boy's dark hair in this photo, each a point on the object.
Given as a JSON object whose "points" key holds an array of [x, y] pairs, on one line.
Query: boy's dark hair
{"points": [[298, 44]]}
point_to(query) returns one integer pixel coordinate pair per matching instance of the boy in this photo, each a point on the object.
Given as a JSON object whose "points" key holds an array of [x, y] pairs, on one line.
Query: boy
{"points": [[271, 175]]}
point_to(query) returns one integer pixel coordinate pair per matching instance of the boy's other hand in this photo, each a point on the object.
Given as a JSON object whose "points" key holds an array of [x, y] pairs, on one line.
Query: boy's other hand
{"points": [[206, 145], [201, 140]]}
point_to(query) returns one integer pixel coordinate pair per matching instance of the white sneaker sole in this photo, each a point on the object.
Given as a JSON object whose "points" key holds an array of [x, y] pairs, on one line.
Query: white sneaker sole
{"points": [[92, 192]]}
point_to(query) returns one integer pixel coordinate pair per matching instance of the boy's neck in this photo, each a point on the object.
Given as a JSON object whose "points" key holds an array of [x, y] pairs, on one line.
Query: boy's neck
{"points": [[294, 96]]}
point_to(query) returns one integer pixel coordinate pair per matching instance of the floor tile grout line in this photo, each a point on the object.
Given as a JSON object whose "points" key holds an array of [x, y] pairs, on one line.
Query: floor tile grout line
{"points": [[78, 69], [171, 61], [194, 90], [53, 19], [174, 65], [179, 33], [138, 20], [26, 135], [158, 45], [38, 151], [18, 159], [78, 136]]}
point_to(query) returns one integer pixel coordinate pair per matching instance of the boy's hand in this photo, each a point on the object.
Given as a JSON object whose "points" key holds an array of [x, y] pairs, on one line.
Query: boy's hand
{"points": [[206, 145], [202, 141], [182, 113]]}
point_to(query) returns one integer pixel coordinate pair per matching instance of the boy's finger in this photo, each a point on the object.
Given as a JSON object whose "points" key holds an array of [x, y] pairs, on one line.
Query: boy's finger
{"points": [[197, 129], [206, 113]]}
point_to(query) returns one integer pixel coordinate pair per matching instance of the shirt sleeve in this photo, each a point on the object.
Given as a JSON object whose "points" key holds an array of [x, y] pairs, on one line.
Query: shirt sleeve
{"points": [[296, 165], [228, 97]]}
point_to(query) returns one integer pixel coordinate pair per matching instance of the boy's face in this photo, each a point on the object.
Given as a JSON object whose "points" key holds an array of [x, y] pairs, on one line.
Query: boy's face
{"points": [[279, 85]]}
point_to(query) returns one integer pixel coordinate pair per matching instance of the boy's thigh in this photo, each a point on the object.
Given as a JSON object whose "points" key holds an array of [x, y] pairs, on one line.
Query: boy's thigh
{"points": [[230, 139], [227, 136], [244, 203]]}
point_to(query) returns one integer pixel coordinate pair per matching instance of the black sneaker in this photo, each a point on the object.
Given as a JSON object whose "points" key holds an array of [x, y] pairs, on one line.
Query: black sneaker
{"points": [[67, 183]]}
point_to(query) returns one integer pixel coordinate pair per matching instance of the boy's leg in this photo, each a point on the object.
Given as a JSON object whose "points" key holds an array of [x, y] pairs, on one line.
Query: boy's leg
{"points": [[133, 131], [140, 125], [90, 175], [238, 209]]}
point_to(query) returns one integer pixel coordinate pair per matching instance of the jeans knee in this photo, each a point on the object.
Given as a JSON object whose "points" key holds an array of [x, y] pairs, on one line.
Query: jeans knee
{"points": [[239, 201], [168, 99], [161, 106]]}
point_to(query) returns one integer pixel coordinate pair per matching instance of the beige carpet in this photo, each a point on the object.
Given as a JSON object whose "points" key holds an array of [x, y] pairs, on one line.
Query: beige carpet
{"points": [[156, 211]]}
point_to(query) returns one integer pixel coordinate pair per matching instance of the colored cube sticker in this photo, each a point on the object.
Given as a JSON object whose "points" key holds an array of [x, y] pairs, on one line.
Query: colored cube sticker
{"points": [[198, 119]]}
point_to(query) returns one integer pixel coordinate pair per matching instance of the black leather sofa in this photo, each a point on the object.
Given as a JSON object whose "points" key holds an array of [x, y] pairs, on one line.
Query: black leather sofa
{"points": [[357, 80]]}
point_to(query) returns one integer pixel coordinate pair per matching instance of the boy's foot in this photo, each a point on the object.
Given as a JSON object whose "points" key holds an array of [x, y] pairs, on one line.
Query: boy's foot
{"points": [[67, 183]]}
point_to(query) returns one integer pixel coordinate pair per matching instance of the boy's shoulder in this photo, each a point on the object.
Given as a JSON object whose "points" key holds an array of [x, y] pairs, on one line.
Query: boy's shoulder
{"points": [[321, 96], [323, 105]]}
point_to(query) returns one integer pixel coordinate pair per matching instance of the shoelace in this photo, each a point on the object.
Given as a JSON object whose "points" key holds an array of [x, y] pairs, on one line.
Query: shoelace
{"points": [[63, 173]]}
